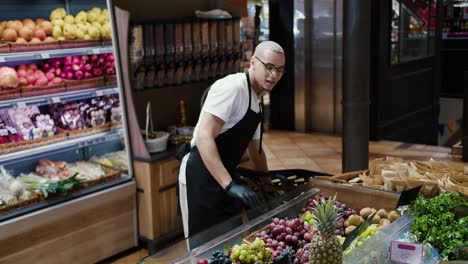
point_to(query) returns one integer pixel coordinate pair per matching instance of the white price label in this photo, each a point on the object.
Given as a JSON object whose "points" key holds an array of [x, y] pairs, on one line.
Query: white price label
{"points": [[2, 59], [56, 99], [99, 93], [46, 56], [406, 252], [21, 104], [96, 51]]}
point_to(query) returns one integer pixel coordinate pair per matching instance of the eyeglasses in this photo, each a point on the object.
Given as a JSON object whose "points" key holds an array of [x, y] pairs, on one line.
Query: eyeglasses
{"points": [[270, 68]]}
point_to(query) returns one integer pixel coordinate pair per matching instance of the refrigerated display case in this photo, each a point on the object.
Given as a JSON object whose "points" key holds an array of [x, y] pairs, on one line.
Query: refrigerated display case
{"points": [[66, 180]]}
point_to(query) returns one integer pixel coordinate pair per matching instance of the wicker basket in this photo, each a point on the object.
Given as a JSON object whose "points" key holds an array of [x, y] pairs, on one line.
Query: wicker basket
{"points": [[111, 174], [9, 207], [74, 85], [4, 48], [42, 90], [15, 47], [28, 144], [9, 93], [106, 42], [69, 44], [85, 131], [111, 80], [116, 125]]}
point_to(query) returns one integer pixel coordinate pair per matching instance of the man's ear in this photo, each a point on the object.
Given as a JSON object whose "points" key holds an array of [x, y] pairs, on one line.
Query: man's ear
{"points": [[252, 60]]}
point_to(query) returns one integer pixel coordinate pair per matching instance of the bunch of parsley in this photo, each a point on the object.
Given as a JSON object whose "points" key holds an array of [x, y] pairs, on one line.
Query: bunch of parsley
{"points": [[435, 223]]}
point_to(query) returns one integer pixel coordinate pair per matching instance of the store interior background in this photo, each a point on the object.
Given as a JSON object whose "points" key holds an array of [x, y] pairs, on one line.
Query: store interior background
{"points": [[416, 99], [417, 69]]}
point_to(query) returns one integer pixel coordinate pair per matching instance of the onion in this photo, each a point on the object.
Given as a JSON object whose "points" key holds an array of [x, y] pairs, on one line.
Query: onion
{"points": [[50, 76], [76, 67], [87, 75], [41, 81], [69, 75], [57, 80], [45, 66], [85, 58], [67, 60], [10, 34], [21, 73], [32, 67], [8, 77], [79, 75], [88, 67], [76, 60]]}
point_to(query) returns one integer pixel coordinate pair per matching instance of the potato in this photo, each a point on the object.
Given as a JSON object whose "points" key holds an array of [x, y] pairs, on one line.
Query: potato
{"points": [[349, 229], [393, 215], [365, 212], [346, 223], [384, 222], [354, 220], [382, 213], [376, 219]]}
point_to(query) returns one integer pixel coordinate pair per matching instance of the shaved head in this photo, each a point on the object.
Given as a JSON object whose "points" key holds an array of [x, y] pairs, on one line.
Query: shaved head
{"points": [[268, 45]]}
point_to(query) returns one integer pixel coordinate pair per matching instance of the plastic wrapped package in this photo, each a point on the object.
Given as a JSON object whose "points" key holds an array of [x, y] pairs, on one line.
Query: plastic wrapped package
{"points": [[376, 250]]}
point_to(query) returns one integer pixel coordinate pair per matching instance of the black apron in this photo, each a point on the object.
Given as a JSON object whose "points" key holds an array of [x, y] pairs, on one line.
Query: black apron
{"points": [[208, 203]]}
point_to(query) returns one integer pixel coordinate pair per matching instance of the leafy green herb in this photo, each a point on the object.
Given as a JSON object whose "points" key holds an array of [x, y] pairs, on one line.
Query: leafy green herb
{"points": [[435, 223]]}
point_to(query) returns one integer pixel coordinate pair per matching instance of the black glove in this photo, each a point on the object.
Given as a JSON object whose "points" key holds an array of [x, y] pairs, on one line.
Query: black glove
{"points": [[247, 196]]}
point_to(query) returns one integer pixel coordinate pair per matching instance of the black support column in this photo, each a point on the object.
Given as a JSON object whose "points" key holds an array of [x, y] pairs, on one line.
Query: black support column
{"points": [[356, 78], [465, 118]]}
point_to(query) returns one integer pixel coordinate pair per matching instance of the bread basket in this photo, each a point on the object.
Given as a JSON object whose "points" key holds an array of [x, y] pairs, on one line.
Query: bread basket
{"points": [[159, 143]]}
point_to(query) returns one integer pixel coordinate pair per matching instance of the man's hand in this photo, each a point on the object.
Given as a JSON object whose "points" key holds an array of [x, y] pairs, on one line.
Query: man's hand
{"points": [[247, 196]]}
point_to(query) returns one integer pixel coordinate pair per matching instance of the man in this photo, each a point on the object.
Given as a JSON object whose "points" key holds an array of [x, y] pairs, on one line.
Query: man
{"points": [[229, 124]]}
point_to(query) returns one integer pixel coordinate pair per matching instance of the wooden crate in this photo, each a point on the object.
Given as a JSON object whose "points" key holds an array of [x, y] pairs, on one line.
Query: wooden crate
{"points": [[457, 149], [356, 196]]}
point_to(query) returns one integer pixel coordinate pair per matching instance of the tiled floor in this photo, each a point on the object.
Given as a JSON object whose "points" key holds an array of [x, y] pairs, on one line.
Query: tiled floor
{"points": [[320, 152]]}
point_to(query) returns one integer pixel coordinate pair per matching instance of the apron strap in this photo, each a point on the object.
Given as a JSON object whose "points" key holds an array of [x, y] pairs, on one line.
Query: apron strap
{"points": [[260, 106]]}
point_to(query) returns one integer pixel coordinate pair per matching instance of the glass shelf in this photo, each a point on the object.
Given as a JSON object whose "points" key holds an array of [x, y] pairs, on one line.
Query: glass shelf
{"points": [[67, 144], [62, 97], [58, 199], [47, 54]]}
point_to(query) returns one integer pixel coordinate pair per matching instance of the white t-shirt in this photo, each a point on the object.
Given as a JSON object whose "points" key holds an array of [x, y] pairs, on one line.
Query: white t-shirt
{"points": [[228, 99]]}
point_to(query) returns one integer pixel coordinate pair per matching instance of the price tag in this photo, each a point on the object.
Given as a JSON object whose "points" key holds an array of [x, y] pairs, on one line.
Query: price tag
{"points": [[406, 252], [2, 59], [21, 104], [96, 51], [56, 99], [99, 93], [46, 56]]}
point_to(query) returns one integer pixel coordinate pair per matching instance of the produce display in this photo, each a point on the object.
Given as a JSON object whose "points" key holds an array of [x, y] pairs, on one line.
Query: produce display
{"points": [[12, 190], [29, 122], [436, 223], [325, 247], [85, 25], [81, 67], [26, 31], [93, 24], [395, 174], [439, 221], [117, 160]]}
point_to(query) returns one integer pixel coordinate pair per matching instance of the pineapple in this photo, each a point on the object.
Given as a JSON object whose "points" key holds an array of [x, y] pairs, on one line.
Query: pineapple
{"points": [[325, 247]]}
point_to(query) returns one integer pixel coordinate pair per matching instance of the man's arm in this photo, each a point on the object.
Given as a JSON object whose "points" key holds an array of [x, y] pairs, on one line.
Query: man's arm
{"points": [[209, 129], [258, 159]]}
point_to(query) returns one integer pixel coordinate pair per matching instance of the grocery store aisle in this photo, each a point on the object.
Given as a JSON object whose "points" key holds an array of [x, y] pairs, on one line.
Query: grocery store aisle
{"points": [[317, 152]]}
